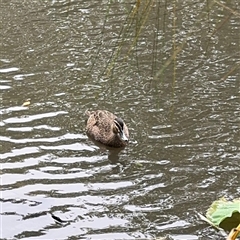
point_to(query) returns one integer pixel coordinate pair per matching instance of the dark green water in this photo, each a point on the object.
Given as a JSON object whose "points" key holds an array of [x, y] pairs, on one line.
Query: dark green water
{"points": [[183, 116]]}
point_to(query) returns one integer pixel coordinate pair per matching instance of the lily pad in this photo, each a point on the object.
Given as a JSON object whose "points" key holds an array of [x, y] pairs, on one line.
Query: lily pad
{"points": [[224, 214]]}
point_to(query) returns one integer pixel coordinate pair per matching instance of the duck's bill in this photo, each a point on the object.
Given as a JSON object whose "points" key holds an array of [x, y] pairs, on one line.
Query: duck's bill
{"points": [[124, 137]]}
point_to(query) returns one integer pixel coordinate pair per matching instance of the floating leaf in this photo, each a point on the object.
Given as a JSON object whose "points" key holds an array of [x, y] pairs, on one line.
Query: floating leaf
{"points": [[208, 221], [224, 214], [138, 164], [27, 102]]}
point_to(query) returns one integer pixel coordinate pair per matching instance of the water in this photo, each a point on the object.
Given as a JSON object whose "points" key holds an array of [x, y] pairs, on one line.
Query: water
{"points": [[183, 117]]}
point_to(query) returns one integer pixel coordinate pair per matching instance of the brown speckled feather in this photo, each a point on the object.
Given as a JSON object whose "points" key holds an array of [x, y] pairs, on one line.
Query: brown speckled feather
{"points": [[99, 128]]}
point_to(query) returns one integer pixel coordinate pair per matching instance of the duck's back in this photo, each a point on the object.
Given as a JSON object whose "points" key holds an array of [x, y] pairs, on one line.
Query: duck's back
{"points": [[99, 125]]}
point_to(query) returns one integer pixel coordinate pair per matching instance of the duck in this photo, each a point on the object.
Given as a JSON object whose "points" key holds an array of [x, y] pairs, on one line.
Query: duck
{"points": [[106, 128]]}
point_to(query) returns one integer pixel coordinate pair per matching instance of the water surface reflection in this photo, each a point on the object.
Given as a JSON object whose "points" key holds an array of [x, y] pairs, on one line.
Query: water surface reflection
{"points": [[183, 116]]}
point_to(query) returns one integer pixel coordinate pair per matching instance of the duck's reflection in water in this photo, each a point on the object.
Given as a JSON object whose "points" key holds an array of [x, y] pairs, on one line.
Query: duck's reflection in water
{"points": [[113, 153]]}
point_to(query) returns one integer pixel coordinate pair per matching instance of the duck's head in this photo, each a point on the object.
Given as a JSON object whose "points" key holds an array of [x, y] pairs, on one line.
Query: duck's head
{"points": [[118, 129]]}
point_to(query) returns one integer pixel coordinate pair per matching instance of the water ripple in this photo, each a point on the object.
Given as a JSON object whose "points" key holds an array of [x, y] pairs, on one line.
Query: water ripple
{"points": [[7, 70], [184, 128], [31, 118], [67, 136]]}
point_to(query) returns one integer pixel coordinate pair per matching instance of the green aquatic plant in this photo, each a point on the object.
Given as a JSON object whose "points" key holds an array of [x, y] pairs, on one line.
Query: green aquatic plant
{"points": [[224, 215], [138, 14]]}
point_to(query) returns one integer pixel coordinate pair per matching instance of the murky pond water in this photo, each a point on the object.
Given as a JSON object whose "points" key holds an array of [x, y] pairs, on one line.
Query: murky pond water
{"points": [[169, 69]]}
